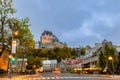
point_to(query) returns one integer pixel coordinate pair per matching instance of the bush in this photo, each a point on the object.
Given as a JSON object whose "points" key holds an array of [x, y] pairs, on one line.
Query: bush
{"points": [[71, 71]]}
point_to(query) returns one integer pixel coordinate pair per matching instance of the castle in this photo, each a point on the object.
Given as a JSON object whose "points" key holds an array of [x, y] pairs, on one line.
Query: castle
{"points": [[49, 40]]}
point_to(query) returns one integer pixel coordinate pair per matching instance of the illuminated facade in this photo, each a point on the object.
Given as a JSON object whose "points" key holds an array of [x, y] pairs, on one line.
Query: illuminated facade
{"points": [[49, 40], [47, 37]]}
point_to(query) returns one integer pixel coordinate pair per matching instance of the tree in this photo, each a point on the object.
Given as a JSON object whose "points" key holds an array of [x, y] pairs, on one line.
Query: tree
{"points": [[37, 62], [26, 41], [102, 61], [73, 53], [37, 55], [82, 50], [67, 52], [6, 11], [110, 51], [118, 65], [104, 55]]}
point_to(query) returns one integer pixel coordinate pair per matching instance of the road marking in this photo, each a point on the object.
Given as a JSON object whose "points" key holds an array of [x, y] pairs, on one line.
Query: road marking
{"points": [[56, 78], [48, 77]]}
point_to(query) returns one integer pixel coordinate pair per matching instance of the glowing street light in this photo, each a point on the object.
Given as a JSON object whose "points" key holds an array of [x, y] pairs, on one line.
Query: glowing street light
{"points": [[26, 63], [111, 59], [12, 57], [14, 33]]}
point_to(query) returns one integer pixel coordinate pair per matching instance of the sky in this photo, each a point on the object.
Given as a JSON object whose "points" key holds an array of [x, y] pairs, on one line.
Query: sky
{"points": [[75, 22]]}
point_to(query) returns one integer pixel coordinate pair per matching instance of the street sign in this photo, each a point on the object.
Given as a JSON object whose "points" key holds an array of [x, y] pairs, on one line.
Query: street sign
{"points": [[13, 46]]}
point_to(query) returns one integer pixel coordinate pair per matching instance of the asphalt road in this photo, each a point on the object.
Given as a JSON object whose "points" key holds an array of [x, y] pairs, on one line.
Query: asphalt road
{"points": [[63, 76], [67, 76]]}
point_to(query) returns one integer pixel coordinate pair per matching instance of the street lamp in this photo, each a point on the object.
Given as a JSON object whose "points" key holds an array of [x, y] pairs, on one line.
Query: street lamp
{"points": [[13, 49], [111, 59], [26, 64], [14, 33], [10, 56]]}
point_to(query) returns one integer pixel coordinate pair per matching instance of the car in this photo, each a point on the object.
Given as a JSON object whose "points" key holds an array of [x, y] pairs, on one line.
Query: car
{"points": [[40, 70], [57, 70]]}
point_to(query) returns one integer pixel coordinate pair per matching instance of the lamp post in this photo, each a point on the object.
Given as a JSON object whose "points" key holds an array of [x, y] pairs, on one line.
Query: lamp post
{"points": [[13, 48], [14, 33], [111, 59]]}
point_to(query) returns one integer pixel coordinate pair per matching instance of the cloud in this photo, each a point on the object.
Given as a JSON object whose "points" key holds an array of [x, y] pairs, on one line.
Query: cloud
{"points": [[73, 21]]}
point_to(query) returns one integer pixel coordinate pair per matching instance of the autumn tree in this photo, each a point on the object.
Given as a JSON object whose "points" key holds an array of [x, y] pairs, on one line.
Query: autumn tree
{"points": [[7, 24], [26, 41], [82, 51]]}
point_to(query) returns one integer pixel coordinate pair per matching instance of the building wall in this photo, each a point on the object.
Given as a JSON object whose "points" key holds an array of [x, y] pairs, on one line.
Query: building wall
{"points": [[93, 59]]}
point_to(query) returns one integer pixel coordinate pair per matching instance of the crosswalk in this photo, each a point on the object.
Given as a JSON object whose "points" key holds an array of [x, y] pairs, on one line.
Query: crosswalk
{"points": [[62, 78]]}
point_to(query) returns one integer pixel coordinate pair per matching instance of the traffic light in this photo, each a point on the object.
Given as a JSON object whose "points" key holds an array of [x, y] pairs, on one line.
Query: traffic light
{"points": [[13, 59]]}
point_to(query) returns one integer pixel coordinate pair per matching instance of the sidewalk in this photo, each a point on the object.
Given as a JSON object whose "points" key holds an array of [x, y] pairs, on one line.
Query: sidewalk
{"points": [[100, 75], [115, 76], [18, 77], [111, 76]]}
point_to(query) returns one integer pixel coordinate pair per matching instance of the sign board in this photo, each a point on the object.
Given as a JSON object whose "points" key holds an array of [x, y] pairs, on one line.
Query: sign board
{"points": [[13, 46], [49, 61]]}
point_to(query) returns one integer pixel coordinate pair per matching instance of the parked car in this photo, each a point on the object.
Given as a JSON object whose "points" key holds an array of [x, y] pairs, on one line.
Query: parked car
{"points": [[40, 70], [57, 70]]}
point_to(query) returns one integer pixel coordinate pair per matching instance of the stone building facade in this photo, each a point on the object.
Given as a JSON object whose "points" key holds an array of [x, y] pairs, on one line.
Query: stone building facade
{"points": [[91, 57], [49, 40]]}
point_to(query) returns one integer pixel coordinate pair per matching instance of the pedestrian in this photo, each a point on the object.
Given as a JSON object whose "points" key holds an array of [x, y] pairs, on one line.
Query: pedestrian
{"points": [[9, 73]]}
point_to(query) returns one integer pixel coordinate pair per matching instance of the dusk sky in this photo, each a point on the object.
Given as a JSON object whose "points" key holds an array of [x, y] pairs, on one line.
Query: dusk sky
{"points": [[76, 22]]}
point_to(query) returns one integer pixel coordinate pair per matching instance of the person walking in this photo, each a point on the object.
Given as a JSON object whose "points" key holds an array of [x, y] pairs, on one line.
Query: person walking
{"points": [[9, 73]]}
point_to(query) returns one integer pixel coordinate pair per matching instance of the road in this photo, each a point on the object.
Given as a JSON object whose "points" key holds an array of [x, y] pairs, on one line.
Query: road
{"points": [[67, 76], [63, 76]]}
